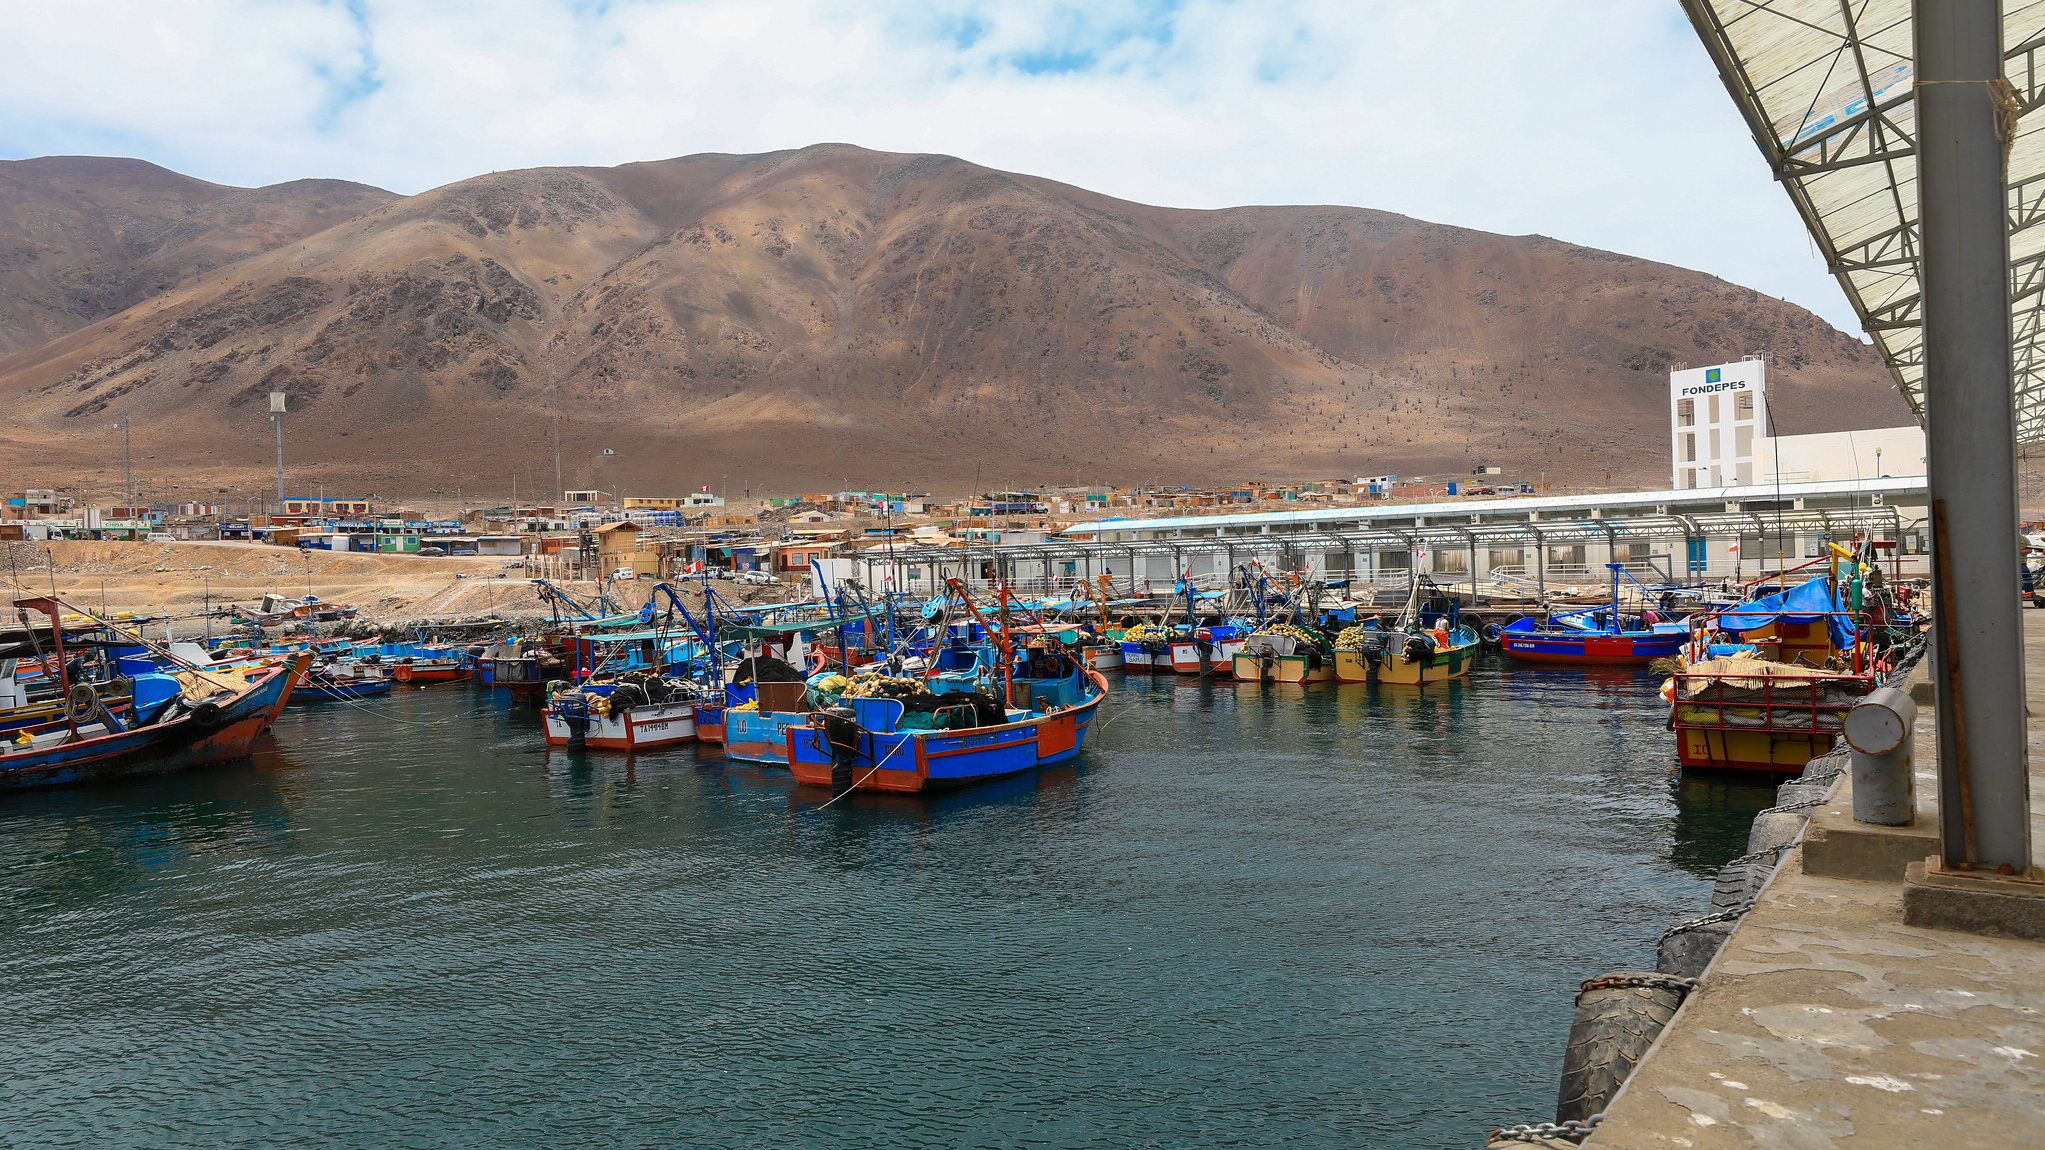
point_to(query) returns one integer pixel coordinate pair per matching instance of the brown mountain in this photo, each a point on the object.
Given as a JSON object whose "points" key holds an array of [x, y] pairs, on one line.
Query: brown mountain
{"points": [[82, 238], [835, 315]]}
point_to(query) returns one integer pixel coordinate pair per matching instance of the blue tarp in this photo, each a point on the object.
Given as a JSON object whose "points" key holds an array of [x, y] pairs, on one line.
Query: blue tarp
{"points": [[1796, 605]]}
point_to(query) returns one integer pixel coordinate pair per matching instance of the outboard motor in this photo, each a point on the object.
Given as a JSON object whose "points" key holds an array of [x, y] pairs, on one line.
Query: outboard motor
{"points": [[842, 732]]}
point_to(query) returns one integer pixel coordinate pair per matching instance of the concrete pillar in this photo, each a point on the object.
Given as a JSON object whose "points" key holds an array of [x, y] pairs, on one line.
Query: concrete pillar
{"points": [[1970, 426]]}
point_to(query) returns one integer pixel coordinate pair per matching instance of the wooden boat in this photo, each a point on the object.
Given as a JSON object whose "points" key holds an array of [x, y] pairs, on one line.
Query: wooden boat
{"points": [[1754, 715], [318, 688], [867, 748], [710, 727], [585, 718], [1147, 648], [423, 671], [1528, 639], [1207, 650], [1102, 656], [1600, 636], [1407, 657], [759, 736], [173, 733], [522, 667], [1273, 658]]}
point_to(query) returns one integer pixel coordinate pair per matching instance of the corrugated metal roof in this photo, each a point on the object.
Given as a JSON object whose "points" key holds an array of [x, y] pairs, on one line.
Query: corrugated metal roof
{"points": [[1826, 88], [1539, 504]]}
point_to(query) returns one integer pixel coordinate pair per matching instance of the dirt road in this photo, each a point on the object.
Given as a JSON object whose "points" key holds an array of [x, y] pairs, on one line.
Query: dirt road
{"points": [[183, 580]]}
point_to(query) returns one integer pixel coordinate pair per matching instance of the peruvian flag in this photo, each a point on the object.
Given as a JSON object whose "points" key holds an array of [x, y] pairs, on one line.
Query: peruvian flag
{"points": [[1733, 546]]}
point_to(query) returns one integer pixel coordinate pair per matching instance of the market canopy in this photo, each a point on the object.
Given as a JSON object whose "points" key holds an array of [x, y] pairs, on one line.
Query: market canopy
{"points": [[1827, 90]]}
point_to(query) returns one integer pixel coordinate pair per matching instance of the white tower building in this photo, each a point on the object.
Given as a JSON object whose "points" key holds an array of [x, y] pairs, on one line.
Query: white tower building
{"points": [[1715, 416]]}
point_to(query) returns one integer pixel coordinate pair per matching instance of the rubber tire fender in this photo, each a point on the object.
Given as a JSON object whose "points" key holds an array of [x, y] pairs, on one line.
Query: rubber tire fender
{"points": [[1613, 1029], [208, 714]]}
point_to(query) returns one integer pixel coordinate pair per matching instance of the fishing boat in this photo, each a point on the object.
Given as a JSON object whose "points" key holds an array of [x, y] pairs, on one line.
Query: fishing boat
{"points": [[1147, 647], [1754, 715], [868, 744], [624, 715], [1285, 647], [1598, 636], [522, 667], [192, 718], [1414, 650], [1284, 653], [318, 687], [427, 671], [1207, 650], [1777, 700], [1104, 654]]}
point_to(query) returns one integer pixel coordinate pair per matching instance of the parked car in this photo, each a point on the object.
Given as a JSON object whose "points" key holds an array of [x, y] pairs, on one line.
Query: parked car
{"points": [[757, 577], [162, 537], [432, 552]]}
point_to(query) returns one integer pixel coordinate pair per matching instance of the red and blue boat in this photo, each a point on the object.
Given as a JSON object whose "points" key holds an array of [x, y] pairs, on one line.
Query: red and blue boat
{"points": [[1600, 636]]}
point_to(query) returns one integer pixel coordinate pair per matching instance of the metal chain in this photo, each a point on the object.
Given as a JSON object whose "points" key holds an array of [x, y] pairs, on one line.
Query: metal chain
{"points": [[1793, 808], [1703, 920], [1571, 1130], [1768, 853], [1629, 981]]}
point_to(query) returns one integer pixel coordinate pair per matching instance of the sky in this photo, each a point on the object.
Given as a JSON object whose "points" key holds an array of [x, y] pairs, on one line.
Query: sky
{"points": [[1599, 122]]}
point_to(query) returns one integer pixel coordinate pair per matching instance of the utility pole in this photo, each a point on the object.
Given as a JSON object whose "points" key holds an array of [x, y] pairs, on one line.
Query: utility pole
{"points": [[1970, 433], [128, 457], [277, 416]]}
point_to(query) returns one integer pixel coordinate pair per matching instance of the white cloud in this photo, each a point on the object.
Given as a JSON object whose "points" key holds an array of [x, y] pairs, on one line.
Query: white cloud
{"points": [[1599, 122]]}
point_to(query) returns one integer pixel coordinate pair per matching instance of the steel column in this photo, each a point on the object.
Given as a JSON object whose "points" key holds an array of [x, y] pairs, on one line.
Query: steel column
{"points": [[1970, 428]]}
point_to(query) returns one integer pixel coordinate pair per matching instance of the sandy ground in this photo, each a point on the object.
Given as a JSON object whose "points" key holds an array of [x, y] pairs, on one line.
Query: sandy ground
{"points": [[396, 592]]}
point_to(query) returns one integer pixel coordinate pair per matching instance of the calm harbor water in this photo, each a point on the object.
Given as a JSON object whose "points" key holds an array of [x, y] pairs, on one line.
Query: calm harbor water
{"points": [[1274, 916]]}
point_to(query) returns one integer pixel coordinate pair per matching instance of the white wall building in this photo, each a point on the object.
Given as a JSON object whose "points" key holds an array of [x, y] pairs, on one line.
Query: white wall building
{"points": [[1715, 416], [1868, 454]]}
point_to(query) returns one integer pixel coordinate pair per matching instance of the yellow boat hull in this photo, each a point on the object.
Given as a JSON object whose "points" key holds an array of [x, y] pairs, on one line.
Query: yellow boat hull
{"points": [[1454, 663], [1284, 669]]}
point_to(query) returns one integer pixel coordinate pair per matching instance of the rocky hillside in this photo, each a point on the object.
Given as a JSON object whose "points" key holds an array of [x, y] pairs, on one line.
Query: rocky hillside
{"points": [[836, 315]]}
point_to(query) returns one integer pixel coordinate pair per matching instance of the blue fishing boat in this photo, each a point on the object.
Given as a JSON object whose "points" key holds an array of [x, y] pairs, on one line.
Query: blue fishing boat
{"points": [[318, 688], [870, 749], [963, 736], [170, 730], [1600, 636]]}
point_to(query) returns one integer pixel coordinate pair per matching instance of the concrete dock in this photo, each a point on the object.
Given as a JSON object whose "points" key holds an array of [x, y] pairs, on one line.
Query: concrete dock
{"points": [[1826, 1021]]}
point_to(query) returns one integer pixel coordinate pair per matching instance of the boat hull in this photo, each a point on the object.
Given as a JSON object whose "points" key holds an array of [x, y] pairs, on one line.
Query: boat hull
{"points": [[759, 737], [710, 723], [1592, 650], [919, 762], [646, 728], [178, 745], [1135, 658], [1454, 663], [1104, 657], [312, 692], [1283, 669], [1220, 657], [1756, 751], [429, 673]]}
